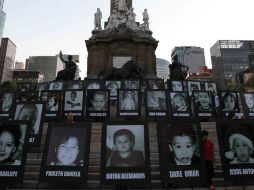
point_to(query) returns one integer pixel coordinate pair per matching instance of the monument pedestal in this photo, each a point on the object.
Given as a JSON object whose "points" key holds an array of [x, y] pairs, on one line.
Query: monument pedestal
{"points": [[107, 48]]}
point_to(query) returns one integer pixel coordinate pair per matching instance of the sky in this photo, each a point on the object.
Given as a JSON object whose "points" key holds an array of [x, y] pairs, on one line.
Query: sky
{"points": [[44, 27]]}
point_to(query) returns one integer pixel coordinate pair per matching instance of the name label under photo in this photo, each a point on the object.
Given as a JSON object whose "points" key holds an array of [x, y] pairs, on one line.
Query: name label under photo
{"points": [[181, 114], [183, 173], [128, 113], [159, 114], [241, 171], [96, 114], [127, 176], [63, 174], [8, 173]]}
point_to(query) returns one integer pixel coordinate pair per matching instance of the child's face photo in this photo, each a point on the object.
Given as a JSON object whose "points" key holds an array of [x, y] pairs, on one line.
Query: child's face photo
{"points": [[183, 149], [67, 152], [177, 86], [98, 101], [51, 102], [73, 96], [204, 99], [7, 145], [93, 85], [249, 99], [123, 143], [180, 102], [55, 86], [113, 89], [7, 101], [229, 103], [241, 149]]}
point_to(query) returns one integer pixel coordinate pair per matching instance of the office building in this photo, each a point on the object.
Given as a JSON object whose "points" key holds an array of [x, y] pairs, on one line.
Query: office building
{"points": [[47, 65], [19, 65], [230, 57], [22, 75], [191, 56], [2, 19], [162, 68], [7, 59]]}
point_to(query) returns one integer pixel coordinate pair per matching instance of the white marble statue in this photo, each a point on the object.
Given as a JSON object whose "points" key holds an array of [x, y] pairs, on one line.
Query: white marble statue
{"points": [[97, 19], [122, 7], [145, 25], [131, 20], [113, 21]]}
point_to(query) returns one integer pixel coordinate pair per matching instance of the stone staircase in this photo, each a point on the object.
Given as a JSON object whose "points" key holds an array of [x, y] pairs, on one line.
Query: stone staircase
{"points": [[33, 164]]}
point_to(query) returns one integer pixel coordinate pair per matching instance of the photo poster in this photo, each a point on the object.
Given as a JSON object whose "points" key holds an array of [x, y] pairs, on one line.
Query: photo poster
{"points": [[236, 139], [97, 104], [248, 104], [74, 102], [66, 153], [40, 87], [7, 104], [203, 104], [175, 85], [53, 104], [34, 112], [131, 84], [229, 103], [180, 105], [125, 155], [153, 84], [56, 85], [180, 153], [14, 142], [113, 86], [193, 86], [74, 85], [156, 104], [26, 92], [94, 84], [212, 87], [129, 104]]}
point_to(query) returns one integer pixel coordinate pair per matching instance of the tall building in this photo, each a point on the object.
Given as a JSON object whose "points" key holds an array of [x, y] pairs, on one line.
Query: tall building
{"points": [[2, 18], [47, 65], [191, 56], [162, 68], [19, 65], [7, 59], [230, 57]]}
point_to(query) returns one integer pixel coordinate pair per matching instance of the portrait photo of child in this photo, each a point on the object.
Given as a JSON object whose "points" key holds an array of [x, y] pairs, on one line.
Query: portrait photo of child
{"points": [[131, 84], [7, 100], [73, 100], [66, 146], [229, 102], [55, 85], [179, 102], [128, 100], [203, 101], [156, 100], [193, 86], [176, 86], [125, 146], [113, 86], [97, 100]]}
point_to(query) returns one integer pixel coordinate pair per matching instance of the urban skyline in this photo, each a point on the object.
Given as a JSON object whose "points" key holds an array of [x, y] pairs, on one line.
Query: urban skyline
{"points": [[59, 25]]}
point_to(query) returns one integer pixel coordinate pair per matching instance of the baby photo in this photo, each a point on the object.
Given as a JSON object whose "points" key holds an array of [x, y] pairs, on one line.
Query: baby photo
{"points": [[125, 146]]}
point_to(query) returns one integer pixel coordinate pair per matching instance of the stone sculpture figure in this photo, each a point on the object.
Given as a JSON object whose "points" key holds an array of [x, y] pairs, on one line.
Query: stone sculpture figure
{"points": [[145, 15], [97, 19], [70, 69], [122, 7], [131, 17], [177, 70], [113, 21], [130, 70]]}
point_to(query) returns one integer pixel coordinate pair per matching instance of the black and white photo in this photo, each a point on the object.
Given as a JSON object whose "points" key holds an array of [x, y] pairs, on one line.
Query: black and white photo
{"points": [[31, 111], [229, 102], [93, 84], [175, 85], [74, 102], [248, 104], [97, 103], [193, 86], [56, 85], [180, 105], [131, 84], [125, 151], [203, 104], [212, 87], [7, 102], [74, 85], [236, 142], [156, 103], [13, 144], [66, 152], [180, 152], [113, 86]]}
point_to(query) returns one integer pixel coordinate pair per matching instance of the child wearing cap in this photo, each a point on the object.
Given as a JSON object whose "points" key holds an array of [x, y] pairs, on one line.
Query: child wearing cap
{"points": [[241, 149]]}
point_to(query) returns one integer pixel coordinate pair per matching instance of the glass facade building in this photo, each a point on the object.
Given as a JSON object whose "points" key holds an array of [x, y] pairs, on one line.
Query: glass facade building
{"points": [[230, 57], [7, 59], [162, 68]]}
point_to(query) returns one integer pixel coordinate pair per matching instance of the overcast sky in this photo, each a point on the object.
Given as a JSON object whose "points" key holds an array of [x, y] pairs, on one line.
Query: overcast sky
{"points": [[44, 27]]}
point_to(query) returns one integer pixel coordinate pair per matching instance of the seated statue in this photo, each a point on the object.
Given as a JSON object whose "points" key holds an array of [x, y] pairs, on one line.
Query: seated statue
{"points": [[177, 70], [70, 69], [130, 70]]}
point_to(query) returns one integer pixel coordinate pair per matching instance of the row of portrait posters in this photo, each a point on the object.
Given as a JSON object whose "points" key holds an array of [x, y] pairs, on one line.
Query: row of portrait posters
{"points": [[125, 156]]}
